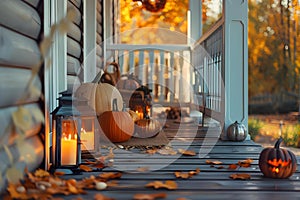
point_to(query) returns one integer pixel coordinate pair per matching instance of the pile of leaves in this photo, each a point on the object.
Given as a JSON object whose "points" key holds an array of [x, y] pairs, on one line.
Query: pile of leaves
{"points": [[43, 185]]}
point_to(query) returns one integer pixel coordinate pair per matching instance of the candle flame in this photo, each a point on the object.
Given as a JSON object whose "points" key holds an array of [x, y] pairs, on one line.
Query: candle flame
{"points": [[275, 170]]}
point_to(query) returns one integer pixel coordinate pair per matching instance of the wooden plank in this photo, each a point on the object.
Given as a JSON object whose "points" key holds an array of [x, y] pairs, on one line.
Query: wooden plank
{"points": [[14, 90], [78, 16], [12, 11], [74, 32], [18, 50], [73, 48], [73, 66], [33, 2]]}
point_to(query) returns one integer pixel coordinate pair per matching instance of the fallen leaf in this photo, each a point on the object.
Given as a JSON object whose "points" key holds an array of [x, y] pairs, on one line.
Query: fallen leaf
{"points": [[213, 162], [187, 152], [99, 196], [59, 173], [85, 168], [245, 163], [167, 151], [14, 194], [233, 166], [110, 175], [195, 172], [41, 173], [98, 165], [149, 196], [151, 151], [220, 167], [182, 175], [112, 183], [240, 176], [170, 185]]}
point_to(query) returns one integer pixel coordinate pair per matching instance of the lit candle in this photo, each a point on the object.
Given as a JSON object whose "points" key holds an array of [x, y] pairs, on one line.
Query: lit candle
{"points": [[87, 140], [68, 150], [140, 114]]}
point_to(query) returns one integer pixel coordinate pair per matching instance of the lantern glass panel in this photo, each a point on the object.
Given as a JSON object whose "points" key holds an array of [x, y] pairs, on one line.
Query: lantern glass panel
{"points": [[87, 135]]}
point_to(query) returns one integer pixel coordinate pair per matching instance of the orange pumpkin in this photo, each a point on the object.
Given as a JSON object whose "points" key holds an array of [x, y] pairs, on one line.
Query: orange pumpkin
{"points": [[118, 126]]}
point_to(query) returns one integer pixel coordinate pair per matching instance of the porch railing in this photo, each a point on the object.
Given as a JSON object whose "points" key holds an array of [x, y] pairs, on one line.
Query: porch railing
{"points": [[163, 68], [208, 64]]}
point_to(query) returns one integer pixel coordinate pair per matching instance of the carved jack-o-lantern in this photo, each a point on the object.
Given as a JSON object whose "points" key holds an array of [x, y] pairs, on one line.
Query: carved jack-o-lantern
{"points": [[277, 162]]}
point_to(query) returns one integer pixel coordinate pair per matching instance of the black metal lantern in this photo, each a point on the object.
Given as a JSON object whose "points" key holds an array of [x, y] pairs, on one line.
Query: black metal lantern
{"points": [[66, 128]]}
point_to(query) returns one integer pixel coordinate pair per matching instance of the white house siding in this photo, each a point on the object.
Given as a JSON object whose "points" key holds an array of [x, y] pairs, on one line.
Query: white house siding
{"points": [[20, 33]]}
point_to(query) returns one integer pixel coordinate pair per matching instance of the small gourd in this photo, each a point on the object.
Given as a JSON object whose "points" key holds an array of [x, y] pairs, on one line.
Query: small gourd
{"points": [[118, 126], [147, 128], [236, 132], [277, 162]]}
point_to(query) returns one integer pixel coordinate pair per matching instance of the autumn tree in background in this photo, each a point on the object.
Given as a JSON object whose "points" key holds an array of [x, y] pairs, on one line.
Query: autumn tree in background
{"points": [[274, 47], [139, 26]]}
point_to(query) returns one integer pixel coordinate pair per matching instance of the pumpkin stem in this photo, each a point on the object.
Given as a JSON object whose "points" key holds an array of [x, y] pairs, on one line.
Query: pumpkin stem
{"points": [[277, 144], [115, 105]]}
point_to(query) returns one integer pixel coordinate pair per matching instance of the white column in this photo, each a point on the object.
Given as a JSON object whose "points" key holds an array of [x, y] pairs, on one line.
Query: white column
{"points": [[195, 23], [236, 62], [89, 40]]}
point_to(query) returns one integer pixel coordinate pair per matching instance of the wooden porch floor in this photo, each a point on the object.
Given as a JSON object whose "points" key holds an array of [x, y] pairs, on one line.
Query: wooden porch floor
{"points": [[210, 183]]}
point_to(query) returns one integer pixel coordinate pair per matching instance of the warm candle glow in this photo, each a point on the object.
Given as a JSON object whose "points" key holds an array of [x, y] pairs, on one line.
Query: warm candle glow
{"points": [[68, 150], [140, 114], [68, 143]]}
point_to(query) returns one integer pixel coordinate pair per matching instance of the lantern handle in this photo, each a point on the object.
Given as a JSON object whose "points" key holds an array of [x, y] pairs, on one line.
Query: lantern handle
{"points": [[115, 105]]}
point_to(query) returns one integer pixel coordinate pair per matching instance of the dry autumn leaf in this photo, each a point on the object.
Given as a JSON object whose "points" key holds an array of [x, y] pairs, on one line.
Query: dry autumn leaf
{"points": [[186, 175], [41, 173], [187, 152], [85, 168], [110, 175], [149, 196], [182, 175], [58, 173], [99, 196], [233, 166], [245, 163], [240, 176], [167, 151], [213, 162], [170, 185], [151, 151]]}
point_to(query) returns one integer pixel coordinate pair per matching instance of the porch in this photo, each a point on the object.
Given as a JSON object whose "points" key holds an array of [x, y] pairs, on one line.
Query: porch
{"points": [[139, 168]]}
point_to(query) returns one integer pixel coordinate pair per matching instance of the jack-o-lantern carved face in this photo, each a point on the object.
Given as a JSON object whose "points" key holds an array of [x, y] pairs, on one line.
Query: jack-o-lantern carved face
{"points": [[277, 165], [276, 162]]}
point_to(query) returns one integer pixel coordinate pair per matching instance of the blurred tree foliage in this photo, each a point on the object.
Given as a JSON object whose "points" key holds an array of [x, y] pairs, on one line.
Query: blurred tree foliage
{"points": [[139, 26], [274, 46]]}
